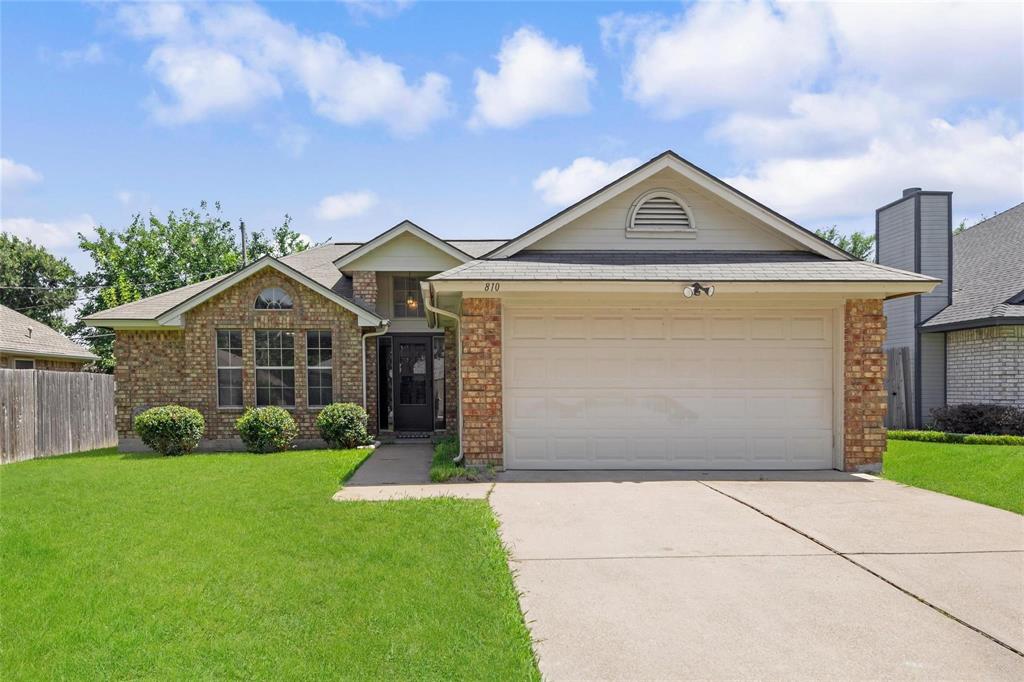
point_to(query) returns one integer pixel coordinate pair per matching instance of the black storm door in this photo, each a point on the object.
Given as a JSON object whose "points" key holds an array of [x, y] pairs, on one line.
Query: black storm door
{"points": [[412, 383]]}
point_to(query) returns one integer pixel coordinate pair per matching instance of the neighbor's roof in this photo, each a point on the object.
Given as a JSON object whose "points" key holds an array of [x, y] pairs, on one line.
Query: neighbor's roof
{"points": [[20, 334], [988, 274], [676, 266]]}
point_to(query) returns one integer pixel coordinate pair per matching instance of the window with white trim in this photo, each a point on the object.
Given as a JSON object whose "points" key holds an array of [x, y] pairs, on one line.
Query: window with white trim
{"points": [[319, 376], [660, 213], [24, 363], [275, 367], [229, 368], [273, 298]]}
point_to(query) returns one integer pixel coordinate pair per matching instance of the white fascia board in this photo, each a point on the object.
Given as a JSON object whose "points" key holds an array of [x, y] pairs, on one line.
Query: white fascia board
{"points": [[86, 356], [706, 182], [364, 317], [398, 230], [867, 288]]}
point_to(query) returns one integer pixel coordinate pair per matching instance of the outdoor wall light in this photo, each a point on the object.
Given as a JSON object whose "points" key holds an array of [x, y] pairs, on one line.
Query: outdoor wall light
{"points": [[697, 288]]}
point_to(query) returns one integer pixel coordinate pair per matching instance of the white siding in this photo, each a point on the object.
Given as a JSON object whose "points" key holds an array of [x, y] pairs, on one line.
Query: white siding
{"points": [[719, 226], [404, 253]]}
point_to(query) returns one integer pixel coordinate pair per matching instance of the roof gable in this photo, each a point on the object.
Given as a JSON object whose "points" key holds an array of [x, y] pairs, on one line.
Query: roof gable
{"points": [[658, 169], [365, 317], [401, 249]]}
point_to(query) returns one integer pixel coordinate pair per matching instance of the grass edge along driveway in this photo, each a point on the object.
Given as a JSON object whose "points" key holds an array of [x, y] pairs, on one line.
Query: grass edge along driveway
{"points": [[989, 474], [235, 565]]}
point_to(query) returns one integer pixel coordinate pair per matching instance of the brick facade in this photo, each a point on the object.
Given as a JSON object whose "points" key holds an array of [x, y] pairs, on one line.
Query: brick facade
{"points": [[48, 364], [161, 367], [451, 382], [864, 393], [481, 381], [364, 287], [985, 365]]}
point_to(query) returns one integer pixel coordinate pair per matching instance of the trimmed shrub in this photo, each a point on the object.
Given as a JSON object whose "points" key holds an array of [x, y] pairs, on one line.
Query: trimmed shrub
{"points": [[966, 438], [267, 429], [170, 429], [343, 425], [980, 418]]}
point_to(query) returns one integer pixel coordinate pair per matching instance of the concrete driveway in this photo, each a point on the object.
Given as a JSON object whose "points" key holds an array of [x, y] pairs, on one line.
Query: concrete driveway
{"points": [[833, 576]]}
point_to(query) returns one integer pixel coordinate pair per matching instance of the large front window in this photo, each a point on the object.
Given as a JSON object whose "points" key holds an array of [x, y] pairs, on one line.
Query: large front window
{"points": [[407, 296], [275, 368], [318, 368]]}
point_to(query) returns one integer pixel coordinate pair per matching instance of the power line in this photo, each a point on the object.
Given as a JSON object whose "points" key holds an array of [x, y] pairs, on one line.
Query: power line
{"points": [[100, 286]]}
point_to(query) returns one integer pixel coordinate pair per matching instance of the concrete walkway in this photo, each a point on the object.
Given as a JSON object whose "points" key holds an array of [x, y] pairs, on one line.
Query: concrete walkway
{"points": [[402, 471], [729, 577]]}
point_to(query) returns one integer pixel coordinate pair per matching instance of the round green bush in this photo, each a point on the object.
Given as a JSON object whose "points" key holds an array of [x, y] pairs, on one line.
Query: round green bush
{"points": [[267, 429], [343, 425], [170, 429]]}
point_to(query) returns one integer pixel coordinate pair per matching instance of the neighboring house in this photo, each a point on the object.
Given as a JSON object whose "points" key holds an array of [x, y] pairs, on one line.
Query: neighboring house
{"points": [[28, 344], [589, 341], [966, 337]]}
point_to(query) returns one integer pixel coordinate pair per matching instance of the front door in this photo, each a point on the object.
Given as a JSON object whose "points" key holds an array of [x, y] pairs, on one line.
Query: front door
{"points": [[412, 383]]}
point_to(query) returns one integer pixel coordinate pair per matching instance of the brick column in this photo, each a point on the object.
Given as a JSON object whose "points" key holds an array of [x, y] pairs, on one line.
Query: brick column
{"points": [[864, 385], [364, 287], [481, 381]]}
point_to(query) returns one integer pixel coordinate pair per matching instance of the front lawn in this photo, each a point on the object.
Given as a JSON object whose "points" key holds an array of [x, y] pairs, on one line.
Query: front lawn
{"points": [[990, 474], [241, 566]]}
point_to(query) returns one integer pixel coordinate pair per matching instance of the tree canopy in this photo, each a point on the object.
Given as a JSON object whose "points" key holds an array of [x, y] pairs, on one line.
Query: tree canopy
{"points": [[857, 244], [151, 256], [35, 282]]}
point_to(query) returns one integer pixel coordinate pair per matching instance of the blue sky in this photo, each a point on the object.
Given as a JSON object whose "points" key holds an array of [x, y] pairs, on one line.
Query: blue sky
{"points": [[479, 120]]}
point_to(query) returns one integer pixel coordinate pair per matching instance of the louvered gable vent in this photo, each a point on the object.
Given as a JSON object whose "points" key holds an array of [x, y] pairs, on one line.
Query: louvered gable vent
{"points": [[660, 211]]}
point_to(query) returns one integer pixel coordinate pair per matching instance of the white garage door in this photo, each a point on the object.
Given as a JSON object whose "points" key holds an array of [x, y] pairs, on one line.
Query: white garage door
{"points": [[662, 389]]}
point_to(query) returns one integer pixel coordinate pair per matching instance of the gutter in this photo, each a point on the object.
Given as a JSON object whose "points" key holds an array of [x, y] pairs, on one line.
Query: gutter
{"points": [[383, 327], [428, 296]]}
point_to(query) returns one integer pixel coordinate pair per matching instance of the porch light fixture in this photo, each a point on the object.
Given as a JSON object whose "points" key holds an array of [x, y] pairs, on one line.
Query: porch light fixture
{"points": [[411, 303], [697, 288]]}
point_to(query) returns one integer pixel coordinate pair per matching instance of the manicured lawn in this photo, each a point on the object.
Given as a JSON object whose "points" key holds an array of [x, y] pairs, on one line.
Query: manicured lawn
{"points": [[241, 566], [990, 474]]}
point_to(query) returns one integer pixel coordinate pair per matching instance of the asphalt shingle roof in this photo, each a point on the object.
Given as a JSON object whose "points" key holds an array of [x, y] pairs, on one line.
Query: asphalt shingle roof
{"points": [[736, 266], [22, 334], [988, 272]]}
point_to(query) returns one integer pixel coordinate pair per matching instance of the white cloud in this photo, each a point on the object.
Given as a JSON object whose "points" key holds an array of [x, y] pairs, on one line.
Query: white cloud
{"points": [[535, 78], [565, 186], [721, 54], [58, 234], [980, 159], [293, 140], [14, 175], [361, 10], [345, 205], [204, 81], [940, 50], [229, 57]]}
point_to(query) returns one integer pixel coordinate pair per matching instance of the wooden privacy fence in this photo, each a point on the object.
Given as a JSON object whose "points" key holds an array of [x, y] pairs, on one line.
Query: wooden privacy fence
{"points": [[52, 413], [898, 387]]}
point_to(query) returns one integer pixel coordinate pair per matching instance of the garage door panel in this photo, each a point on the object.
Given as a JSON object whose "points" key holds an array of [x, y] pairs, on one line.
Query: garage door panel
{"points": [[643, 389]]}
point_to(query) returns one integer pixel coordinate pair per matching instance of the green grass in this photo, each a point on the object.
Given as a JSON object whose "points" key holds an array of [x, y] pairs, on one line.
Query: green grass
{"points": [[241, 566], [990, 474]]}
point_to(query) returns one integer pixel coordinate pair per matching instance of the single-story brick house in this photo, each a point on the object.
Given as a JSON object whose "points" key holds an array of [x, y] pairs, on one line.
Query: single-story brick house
{"points": [[965, 338], [29, 344], [667, 321]]}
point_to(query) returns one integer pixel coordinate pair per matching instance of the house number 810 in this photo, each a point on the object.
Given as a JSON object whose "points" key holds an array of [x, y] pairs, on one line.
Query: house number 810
{"points": [[492, 286]]}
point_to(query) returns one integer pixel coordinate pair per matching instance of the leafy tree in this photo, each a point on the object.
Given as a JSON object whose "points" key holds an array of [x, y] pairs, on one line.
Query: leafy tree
{"points": [[857, 244], [47, 283], [151, 256], [964, 226]]}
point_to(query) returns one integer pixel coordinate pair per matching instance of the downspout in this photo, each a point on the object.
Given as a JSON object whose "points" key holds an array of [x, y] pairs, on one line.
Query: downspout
{"points": [[384, 327], [429, 305]]}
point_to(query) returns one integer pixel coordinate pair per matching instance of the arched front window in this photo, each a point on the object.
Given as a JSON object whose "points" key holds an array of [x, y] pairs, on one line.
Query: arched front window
{"points": [[273, 298]]}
